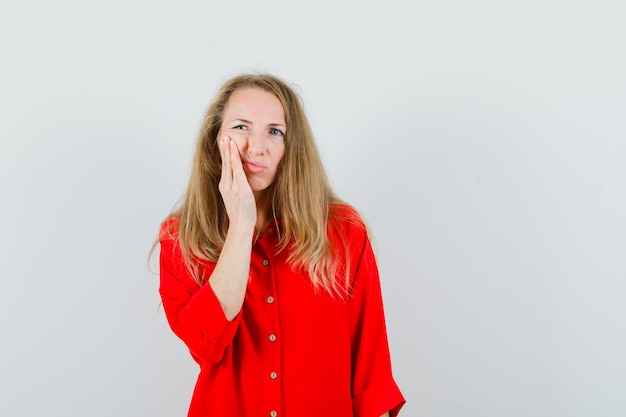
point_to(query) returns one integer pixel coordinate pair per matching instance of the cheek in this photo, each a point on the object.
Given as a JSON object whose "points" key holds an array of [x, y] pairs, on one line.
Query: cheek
{"points": [[279, 148], [280, 154], [240, 140]]}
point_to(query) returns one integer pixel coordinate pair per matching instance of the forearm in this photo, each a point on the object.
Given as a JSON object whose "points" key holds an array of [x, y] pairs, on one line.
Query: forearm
{"points": [[230, 277]]}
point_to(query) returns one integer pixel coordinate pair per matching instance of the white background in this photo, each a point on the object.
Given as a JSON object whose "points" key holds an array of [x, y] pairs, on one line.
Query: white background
{"points": [[483, 141]]}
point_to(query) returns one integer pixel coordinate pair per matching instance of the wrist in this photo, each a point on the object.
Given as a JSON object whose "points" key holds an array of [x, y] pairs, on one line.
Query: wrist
{"points": [[241, 230]]}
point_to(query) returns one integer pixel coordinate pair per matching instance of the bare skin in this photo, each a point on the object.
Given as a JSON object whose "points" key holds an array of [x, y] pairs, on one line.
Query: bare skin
{"points": [[230, 277], [251, 143]]}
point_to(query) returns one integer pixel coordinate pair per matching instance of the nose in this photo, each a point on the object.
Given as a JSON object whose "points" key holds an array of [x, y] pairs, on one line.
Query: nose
{"points": [[256, 143]]}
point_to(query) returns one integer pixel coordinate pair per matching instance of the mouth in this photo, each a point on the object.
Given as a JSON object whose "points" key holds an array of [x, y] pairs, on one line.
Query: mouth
{"points": [[254, 167]]}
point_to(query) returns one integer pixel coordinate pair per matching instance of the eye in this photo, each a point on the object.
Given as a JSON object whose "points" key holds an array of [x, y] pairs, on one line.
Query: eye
{"points": [[240, 127], [276, 132]]}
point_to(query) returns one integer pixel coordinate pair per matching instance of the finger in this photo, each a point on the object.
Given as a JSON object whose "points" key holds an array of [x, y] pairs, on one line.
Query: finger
{"points": [[237, 166], [225, 150], [227, 173]]}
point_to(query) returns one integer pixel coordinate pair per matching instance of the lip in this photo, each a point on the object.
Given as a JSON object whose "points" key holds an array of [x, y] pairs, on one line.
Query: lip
{"points": [[254, 167]]}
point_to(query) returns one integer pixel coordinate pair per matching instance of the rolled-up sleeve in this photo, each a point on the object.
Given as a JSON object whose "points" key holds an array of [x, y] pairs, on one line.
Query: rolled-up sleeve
{"points": [[374, 391], [193, 312]]}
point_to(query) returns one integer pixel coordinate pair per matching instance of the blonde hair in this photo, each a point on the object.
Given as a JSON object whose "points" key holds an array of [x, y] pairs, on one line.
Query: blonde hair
{"points": [[300, 196]]}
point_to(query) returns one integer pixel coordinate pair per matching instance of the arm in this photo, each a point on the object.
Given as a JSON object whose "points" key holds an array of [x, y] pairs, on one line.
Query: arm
{"points": [[193, 312], [374, 389], [230, 277], [206, 318]]}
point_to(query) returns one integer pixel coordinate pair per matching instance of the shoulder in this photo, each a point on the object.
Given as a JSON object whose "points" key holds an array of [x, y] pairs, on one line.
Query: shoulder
{"points": [[345, 222], [344, 215], [169, 229]]}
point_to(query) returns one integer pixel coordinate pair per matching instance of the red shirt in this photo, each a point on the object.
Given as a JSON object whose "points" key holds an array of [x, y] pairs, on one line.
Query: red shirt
{"points": [[291, 351]]}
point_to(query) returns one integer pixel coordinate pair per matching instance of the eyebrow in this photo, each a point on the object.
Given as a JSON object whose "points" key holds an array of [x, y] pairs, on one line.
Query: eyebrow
{"points": [[269, 124]]}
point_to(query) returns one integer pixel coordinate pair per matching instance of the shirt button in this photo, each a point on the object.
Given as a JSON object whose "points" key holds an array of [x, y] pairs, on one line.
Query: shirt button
{"points": [[270, 299], [272, 338], [273, 375], [270, 229], [273, 413], [266, 262]]}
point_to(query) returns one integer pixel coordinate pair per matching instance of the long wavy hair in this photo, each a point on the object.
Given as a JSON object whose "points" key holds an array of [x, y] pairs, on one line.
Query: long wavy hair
{"points": [[301, 196]]}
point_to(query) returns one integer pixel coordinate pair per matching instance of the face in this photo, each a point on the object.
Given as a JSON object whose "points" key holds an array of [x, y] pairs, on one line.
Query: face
{"points": [[255, 120]]}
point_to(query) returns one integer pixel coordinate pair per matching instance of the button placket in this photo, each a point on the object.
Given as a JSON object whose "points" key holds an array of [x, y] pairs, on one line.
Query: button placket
{"points": [[272, 332], [266, 298]]}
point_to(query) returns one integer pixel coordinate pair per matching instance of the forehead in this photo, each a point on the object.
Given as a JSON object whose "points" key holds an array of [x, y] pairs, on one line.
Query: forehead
{"points": [[254, 104]]}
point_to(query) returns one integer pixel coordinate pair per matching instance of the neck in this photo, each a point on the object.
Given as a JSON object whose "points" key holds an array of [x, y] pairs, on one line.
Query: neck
{"points": [[263, 212]]}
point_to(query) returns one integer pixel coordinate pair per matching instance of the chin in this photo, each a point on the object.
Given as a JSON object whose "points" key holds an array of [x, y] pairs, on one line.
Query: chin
{"points": [[259, 188]]}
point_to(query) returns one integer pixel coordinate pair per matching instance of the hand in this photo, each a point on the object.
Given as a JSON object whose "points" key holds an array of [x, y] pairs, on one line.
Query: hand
{"points": [[235, 189]]}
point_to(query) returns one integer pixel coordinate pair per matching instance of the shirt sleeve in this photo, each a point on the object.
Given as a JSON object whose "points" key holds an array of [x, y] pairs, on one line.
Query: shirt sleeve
{"points": [[374, 391], [193, 311]]}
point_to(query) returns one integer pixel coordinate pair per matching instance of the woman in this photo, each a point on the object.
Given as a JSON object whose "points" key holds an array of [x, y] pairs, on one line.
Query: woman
{"points": [[267, 276]]}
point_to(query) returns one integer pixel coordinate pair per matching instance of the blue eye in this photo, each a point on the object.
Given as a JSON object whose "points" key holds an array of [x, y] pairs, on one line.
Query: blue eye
{"points": [[239, 127], [276, 132]]}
